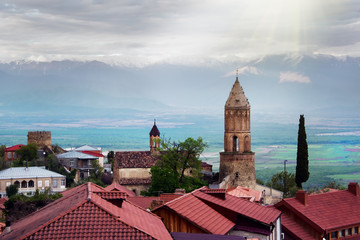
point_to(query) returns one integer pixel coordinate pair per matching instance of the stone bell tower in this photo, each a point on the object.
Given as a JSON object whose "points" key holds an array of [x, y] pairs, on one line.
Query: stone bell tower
{"points": [[237, 161], [154, 139]]}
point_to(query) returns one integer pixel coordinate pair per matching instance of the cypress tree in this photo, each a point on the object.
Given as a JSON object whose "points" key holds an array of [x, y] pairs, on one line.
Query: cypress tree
{"points": [[302, 161]]}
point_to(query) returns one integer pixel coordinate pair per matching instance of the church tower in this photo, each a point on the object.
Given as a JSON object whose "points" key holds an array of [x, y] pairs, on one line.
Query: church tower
{"points": [[237, 161], [154, 139]]}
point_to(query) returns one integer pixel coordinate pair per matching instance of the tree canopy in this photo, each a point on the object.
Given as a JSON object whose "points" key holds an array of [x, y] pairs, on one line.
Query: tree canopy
{"points": [[302, 161], [277, 182], [27, 153], [179, 166]]}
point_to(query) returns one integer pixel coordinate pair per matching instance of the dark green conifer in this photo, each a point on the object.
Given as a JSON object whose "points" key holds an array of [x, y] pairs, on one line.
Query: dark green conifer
{"points": [[302, 161]]}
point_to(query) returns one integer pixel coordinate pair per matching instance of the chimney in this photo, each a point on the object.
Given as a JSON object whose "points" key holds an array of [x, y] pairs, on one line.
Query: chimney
{"points": [[302, 197], [353, 187]]}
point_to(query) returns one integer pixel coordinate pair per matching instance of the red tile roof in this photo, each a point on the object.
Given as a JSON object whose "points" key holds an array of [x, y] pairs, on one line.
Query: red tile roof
{"points": [[326, 211], [243, 207], [243, 192], [82, 213], [136, 159], [117, 187], [210, 212], [14, 148], [2, 201], [291, 226], [95, 154], [144, 202]]}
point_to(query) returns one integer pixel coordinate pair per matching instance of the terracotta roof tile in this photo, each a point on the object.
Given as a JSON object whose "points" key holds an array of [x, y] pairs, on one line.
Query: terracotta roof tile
{"points": [[82, 213], [200, 214], [243, 192], [136, 159], [291, 226], [95, 154], [327, 211], [14, 148], [243, 207], [200, 236], [117, 187]]}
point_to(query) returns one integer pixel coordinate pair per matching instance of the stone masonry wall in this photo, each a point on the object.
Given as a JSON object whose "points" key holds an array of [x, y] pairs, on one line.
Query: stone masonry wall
{"points": [[40, 138]]}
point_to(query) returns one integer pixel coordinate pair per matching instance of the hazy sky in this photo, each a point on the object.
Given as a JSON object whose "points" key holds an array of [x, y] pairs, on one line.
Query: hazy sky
{"points": [[138, 33]]}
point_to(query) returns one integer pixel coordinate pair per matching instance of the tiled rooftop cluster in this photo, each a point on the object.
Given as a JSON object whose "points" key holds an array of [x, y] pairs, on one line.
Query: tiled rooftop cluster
{"points": [[138, 159], [84, 213]]}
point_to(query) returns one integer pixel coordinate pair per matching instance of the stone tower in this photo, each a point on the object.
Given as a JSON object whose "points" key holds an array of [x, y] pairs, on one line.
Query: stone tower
{"points": [[237, 161], [154, 139], [40, 138]]}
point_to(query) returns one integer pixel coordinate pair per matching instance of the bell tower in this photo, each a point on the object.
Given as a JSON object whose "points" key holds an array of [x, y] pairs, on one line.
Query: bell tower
{"points": [[237, 161], [154, 139]]}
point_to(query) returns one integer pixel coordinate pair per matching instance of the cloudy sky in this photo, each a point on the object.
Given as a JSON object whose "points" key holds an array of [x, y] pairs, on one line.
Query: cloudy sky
{"points": [[139, 33]]}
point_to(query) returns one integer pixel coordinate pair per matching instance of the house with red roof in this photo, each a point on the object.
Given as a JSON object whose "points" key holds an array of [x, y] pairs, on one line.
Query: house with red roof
{"points": [[214, 211], [10, 152], [89, 212], [329, 215]]}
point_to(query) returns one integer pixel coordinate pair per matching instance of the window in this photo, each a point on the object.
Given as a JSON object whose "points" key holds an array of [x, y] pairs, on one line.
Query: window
{"points": [[334, 235], [62, 182], [39, 183], [342, 233], [236, 175], [8, 184], [24, 184], [31, 183], [71, 163], [55, 183], [9, 155], [17, 183], [89, 163], [47, 183], [355, 230]]}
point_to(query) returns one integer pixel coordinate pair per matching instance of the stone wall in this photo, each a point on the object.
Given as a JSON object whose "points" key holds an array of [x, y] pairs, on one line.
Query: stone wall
{"points": [[40, 138], [240, 168]]}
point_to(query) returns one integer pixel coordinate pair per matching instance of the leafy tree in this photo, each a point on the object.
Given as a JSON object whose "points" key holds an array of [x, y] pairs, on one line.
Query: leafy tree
{"points": [[96, 170], [27, 153], [277, 182], [178, 167], [110, 157], [2, 151], [11, 190], [302, 161], [19, 205]]}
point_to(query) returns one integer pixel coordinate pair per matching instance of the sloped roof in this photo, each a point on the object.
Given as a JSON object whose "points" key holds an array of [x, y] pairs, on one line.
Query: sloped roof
{"points": [[237, 97], [14, 148], [326, 211], [154, 131], [117, 187], [95, 154], [243, 192], [242, 207], [136, 159], [30, 172], [86, 148], [200, 214], [75, 155], [82, 213], [201, 236], [291, 226]]}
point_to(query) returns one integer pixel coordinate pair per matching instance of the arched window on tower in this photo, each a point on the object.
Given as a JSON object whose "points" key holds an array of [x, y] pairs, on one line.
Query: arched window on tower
{"points": [[247, 144], [235, 144]]}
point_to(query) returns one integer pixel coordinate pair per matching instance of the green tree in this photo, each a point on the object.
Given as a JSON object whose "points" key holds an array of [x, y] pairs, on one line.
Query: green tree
{"points": [[302, 161], [27, 153], [11, 190], [110, 157], [2, 151], [277, 182], [178, 167]]}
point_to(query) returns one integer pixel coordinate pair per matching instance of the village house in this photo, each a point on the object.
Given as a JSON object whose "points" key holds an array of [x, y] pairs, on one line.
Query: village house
{"points": [[89, 212], [213, 211], [30, 179], [331, 215], [10, 152]]}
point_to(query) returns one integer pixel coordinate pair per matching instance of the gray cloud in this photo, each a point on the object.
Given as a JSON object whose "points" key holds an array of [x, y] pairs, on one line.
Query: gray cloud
{"points": [[189, 32]]}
